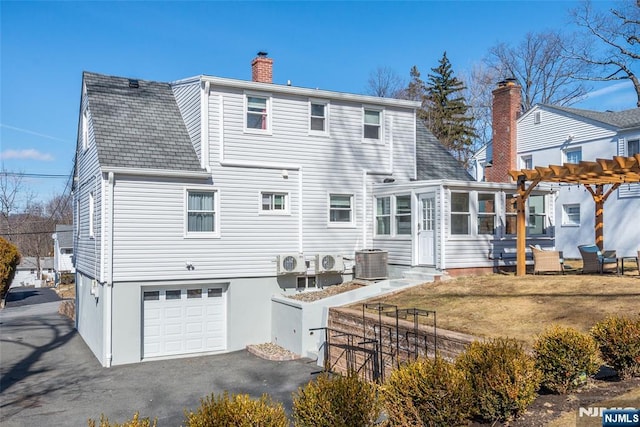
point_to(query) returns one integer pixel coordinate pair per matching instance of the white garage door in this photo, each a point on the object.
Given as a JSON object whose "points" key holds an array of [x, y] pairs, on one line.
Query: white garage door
{"points": [[182, 320]]}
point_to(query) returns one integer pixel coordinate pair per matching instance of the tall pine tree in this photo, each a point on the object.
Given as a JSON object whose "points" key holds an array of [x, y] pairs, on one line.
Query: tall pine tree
{"points": [[446, 112]]}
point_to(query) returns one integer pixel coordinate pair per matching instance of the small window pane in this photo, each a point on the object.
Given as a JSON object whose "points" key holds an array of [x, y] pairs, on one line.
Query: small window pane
{"points": [[214, 292], [317, 123], [317, 110], [340, 201], [486, 203], [574, 156], [383, 225], [384, 205], [372, 117], [173, 294], [459, 224], [371, 132], [256, 104], [459, 202], [194, 293], [151, 295], [633, 147]]}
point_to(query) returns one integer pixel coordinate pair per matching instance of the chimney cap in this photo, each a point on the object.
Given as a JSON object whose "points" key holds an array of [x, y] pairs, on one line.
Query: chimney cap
{"points": [[262, 54]]}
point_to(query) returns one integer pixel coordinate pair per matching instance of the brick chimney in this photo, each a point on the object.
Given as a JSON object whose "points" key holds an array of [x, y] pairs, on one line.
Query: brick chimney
{"points": [[506, 109], [262, 68]]}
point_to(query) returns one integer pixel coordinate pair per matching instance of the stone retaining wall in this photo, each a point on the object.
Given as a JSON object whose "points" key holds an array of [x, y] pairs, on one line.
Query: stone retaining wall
{"points": [[356, 345]]}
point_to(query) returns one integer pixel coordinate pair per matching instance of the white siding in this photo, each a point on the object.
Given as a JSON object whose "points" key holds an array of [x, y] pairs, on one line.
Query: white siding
{"points": [[87, 248], [188, 99]]}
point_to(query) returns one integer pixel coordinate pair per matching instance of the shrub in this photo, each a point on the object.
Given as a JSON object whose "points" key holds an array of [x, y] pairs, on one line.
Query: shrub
{"points": [[134, 422], [427, 392], [503, 378], [237, 410], [9, 259], [336, 401], [565, 358], [618, 338]]}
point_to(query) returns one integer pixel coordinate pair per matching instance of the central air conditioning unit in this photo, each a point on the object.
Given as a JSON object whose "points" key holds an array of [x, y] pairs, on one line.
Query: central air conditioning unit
{"points": [[329, 263], [371, 264], [291, 264]]}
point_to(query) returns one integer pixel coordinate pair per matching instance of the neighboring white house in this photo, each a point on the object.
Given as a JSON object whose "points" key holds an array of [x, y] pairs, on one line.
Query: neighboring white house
{"points": [[63, 250], [196, 201], [552, 135], [29, 273]]}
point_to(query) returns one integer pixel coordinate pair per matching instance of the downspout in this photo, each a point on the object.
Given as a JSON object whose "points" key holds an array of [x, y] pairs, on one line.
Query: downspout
{"points": [[109, 285], [204, 127]]}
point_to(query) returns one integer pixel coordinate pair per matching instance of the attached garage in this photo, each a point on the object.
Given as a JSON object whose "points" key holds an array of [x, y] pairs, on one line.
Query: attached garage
{"points": [[183, 320]]}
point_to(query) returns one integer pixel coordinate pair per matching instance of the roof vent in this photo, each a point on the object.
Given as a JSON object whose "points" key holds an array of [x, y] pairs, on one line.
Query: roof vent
{"points": [[133, 84]]}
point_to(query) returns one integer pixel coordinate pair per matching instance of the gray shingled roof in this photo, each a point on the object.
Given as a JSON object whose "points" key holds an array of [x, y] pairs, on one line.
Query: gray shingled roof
{"points": [[64, 234], [433, 160], [620, 119], [138, 127]]}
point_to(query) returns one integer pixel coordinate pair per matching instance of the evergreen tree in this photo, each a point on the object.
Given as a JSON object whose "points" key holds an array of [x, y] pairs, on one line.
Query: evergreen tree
{"points": [[446, 112]]}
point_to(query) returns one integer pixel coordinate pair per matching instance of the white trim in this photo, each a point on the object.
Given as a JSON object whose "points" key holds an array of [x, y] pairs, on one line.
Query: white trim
{"points": [[293, 90], [565, 215], [269, 107], [216, 212], [326, 132], [156, 172], [204, 127], [352, 210], [275, 212], [92, 214], [381, 122]]}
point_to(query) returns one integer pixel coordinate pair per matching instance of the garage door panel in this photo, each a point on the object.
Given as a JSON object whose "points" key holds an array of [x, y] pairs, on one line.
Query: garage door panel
{"points": [[183, 320]]}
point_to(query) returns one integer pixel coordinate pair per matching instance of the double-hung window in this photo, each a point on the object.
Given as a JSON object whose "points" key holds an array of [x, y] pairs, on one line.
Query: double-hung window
{"points": [[202, 214], [460, 214], [318, 117], [573, 155], [571, 214], [341, 209], [403, 214], [486, 213], [257, 113], [511, 214], [274, 203], [537, 215], [372, 125], [383, 216]]}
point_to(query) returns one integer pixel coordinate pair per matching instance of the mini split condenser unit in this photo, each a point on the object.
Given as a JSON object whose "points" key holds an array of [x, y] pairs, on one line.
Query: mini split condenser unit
{"points": [[329, 263], [291, 264]]}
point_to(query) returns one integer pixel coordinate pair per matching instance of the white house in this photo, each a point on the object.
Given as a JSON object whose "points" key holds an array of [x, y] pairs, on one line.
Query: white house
{"points": [[33, 272], [63, 249], [196, 201], [552, 135]]}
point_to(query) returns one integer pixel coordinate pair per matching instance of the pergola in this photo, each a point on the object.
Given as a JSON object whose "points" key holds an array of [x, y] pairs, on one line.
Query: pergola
{"points": [[593, 175]]}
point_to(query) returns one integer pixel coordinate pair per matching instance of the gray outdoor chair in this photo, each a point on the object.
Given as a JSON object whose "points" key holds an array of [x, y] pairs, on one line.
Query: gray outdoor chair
{"points": [[594, 261]]}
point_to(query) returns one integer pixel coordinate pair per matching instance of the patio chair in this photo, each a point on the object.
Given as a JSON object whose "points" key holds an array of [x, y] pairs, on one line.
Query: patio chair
{"points": [[546, 260], [594, 261]]}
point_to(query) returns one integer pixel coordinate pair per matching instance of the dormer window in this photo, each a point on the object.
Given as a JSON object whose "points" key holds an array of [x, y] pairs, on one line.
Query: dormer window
{"points": [[257, 117], [372, 126]]}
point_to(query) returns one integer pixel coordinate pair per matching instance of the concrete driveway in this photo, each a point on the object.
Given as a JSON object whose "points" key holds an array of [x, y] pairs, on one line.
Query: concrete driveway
{"points": [[50, 377]]}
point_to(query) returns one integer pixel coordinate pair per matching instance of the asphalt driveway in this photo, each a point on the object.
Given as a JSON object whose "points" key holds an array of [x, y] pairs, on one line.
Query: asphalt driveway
{"points": [[48, 376]]}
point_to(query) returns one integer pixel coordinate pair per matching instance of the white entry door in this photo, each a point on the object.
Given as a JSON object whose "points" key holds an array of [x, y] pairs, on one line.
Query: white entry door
{"points": [[183, 319], [426, 230]]}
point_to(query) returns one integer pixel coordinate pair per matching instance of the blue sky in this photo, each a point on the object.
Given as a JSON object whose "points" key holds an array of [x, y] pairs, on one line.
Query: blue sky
{"points": [[45, 46]]}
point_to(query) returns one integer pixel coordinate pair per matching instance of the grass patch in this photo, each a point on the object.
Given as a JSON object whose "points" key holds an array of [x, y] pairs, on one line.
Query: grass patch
{"points": [[501, 305]]}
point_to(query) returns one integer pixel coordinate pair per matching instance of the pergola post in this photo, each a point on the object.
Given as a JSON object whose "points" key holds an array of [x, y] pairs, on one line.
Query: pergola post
{"points": [[599, 197], [521, 229]]}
